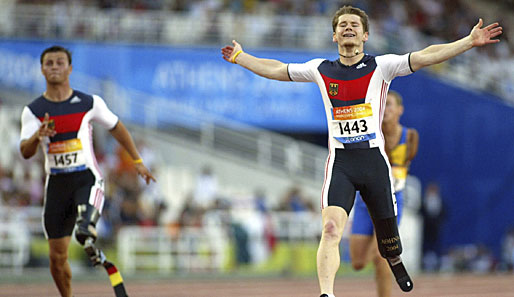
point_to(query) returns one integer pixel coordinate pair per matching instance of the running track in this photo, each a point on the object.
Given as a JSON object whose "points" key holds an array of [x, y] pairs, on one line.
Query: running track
{"points": [[424, 286]]}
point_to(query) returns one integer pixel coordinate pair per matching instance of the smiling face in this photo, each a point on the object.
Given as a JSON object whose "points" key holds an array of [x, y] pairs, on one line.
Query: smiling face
{"points": [[55, 67], [349, 31]]}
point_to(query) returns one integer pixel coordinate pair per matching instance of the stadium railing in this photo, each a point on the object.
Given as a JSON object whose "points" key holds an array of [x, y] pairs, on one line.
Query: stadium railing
{"points": [[206, 248], [17, 227]]}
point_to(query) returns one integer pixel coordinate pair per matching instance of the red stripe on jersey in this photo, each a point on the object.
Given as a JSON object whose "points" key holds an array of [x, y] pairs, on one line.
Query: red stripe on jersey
{"points": [[68, 122], [95, 162], [347, 90], [383, 99], [326, 176]]}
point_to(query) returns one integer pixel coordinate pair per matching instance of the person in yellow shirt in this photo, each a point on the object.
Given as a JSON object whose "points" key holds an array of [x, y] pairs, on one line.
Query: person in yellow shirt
{"points": [[401, 146]]}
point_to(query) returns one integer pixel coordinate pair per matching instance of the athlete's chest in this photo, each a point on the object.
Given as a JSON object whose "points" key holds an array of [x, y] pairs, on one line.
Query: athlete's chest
{"points": [[347, 85]]}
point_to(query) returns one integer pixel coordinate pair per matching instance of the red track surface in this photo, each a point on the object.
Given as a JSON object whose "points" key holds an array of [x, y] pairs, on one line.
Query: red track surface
{"points": [[424, 286]]}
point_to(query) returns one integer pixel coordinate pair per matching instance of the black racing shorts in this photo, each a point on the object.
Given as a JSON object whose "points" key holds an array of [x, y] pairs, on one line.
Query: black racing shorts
{"points": [[63, 193], [365, 170]]}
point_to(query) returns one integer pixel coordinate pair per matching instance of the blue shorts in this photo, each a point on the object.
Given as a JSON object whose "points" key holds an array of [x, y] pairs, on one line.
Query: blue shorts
{"points": [[362, 223]]}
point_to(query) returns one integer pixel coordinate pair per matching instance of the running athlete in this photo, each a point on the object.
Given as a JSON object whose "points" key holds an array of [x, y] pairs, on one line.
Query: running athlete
{"points": [[60, 122], [401, 146], [354, 90]]}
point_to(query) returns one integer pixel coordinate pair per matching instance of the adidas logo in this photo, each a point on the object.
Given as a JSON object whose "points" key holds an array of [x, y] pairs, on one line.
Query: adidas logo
{"points": [[75, 100], [361, 65]]}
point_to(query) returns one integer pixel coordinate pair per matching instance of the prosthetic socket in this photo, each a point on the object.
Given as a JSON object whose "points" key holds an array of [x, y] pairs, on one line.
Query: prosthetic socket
{"points": [[87, 217], [388, 237]]}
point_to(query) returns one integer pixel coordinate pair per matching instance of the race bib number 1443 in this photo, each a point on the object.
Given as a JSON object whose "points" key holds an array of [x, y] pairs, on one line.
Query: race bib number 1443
{"points": [[352, 124]]}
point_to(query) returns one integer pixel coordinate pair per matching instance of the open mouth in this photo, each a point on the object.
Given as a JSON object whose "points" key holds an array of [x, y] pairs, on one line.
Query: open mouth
{"points": [[348, 35]]}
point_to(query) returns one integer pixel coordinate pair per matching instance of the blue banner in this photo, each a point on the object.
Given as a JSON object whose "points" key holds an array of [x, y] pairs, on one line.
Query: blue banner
{"points": [[194, 77]]}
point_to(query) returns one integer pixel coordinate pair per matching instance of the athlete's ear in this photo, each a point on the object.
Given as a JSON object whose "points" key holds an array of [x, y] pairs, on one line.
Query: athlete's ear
{"points": [[400, 110], [334, 37], [365, 37]]}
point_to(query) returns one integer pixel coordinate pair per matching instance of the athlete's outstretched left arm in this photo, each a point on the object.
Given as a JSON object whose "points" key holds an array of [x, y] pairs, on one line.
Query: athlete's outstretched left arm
{"points": [[438, 53], [121, 134]]}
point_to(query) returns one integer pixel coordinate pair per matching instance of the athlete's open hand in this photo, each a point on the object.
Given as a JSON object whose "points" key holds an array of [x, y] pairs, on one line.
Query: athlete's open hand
{"points": [[229, 51], [144, 173], [47, 127], [482, 36]]}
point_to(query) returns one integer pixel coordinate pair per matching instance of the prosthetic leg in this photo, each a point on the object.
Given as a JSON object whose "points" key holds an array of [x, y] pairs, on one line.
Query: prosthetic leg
{"points": [[390, 247], [97, 257], [86, 235], [87, 217]]}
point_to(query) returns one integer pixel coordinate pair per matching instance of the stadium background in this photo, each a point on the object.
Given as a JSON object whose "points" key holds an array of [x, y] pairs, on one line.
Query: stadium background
{"points": [[158, 66]]}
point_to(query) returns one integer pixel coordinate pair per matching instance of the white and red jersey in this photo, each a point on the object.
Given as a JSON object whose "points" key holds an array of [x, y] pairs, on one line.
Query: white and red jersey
{"points": [[354, 96], [71, 149]]}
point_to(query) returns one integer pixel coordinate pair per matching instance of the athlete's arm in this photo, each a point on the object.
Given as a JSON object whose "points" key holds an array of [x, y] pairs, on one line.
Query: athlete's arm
{"points": [[121, 134], [412, 143], [28, 147], [268, 68], [438, 53]]}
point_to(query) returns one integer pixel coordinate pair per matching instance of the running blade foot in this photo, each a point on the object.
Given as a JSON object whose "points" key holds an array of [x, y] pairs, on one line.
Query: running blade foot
{"points": [[400, 273], [95, 255]]}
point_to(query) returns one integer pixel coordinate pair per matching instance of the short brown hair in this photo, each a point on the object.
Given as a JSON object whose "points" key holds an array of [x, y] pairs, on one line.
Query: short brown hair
{"points": [[348, 9], [55, 49], [397, 97]]}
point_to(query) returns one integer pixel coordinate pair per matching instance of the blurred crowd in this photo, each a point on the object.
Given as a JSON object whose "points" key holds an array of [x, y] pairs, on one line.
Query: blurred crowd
{"points": [[397, 26]]}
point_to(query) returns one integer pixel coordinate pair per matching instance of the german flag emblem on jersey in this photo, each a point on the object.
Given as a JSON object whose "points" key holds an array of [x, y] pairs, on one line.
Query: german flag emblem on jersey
{"points": [[333, 89]]}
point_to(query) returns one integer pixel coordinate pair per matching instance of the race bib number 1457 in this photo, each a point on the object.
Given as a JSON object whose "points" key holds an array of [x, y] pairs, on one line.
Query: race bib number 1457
{"points": [[66, 156]]}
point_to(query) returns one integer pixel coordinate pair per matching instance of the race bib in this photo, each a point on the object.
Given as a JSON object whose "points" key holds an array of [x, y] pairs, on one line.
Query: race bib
{"points": [[352, 124], [66, 156]]}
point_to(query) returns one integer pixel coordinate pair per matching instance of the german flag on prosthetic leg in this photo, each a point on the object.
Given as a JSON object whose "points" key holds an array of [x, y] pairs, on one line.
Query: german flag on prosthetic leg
{"points": [[116, 279]]}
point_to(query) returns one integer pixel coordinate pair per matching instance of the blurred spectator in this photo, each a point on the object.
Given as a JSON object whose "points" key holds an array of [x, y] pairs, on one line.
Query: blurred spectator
{"points": [[432, 211], [294, 201], [153, 202], [475, 258], [206, 189], [508, 250]]}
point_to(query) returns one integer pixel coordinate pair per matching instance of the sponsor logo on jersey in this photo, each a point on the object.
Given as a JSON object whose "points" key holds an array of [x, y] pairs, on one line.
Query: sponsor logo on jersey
{"points": [[75, 100], [355, 139], [66, 146], [352, 112], [361, 65], [333, 89]]}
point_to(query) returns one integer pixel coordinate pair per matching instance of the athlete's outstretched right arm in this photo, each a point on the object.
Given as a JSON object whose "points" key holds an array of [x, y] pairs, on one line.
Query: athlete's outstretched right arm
{"points": [[272, 69]]}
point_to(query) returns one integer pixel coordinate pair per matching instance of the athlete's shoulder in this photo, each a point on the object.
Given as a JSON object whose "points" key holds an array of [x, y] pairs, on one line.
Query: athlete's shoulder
{"points": [[412, 132], [315, 62], [391, 58], [38, 105], [83, 96]]}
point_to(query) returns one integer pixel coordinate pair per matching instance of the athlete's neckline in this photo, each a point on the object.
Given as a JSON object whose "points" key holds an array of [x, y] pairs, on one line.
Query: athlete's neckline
{"points": [[53, 101], [339, 61]]}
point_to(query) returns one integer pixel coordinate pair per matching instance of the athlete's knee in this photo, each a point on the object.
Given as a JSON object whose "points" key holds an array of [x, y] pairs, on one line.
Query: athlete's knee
{"points": [[388, 237], [358, 264], [58, 259], [87, 218], [358, 253], [331, 231]]}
